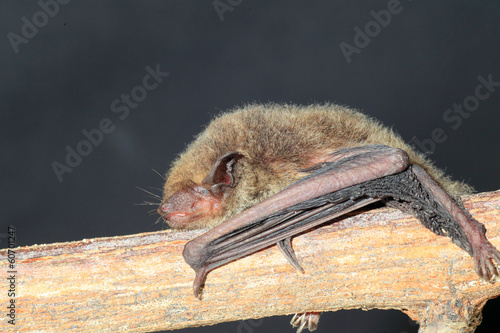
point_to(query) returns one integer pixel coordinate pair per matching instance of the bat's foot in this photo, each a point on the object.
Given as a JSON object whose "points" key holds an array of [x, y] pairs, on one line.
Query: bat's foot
{"points": [[307, 320], [486, 259]]}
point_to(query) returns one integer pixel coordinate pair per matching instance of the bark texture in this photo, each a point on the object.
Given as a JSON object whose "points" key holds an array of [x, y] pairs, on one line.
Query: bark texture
{"points": [[140, 283]]}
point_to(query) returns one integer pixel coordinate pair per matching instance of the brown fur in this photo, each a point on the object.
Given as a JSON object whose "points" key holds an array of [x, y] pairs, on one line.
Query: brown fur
{"points": [[276, 142]]}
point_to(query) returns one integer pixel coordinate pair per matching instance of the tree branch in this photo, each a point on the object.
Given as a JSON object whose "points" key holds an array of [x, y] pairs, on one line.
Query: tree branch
{"points": [[140, 283]]}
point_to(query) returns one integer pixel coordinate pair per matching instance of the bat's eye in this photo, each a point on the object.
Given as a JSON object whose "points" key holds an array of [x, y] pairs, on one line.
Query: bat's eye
{"points": [[202, 190], [186, 208]]}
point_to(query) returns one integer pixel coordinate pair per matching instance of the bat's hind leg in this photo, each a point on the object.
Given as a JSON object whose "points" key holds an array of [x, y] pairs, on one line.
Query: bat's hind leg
{"points": [[413, 190], [462, 228]]}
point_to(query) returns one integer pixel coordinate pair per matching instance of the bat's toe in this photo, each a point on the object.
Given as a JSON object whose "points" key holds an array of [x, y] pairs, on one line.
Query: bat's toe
{"points": [[486, 261], [307, 320]]}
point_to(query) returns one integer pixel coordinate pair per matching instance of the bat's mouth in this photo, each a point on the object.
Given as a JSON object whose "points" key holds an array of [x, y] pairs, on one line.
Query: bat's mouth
{"points": [[169, 216], [181, 219], [176, 220]]}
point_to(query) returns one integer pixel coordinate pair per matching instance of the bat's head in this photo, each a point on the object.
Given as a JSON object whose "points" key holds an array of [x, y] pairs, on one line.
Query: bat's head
{"points": [[194, 204]]}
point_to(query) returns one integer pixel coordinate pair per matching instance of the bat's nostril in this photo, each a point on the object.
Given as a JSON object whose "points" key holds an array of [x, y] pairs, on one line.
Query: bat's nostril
{"points": [[163, 210]]}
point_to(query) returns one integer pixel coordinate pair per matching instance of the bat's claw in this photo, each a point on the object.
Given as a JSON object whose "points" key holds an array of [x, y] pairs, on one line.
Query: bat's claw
{"points": [[199, 280], [486, 259], [286, 248], [307, 320]]}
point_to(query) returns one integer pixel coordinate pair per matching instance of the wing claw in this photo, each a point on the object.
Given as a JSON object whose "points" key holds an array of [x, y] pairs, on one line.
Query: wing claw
{"points": [[199, 280], [286, 248]]}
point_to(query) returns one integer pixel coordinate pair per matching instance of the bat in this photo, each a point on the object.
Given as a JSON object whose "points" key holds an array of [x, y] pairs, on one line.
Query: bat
{"points": [[259, 175]]}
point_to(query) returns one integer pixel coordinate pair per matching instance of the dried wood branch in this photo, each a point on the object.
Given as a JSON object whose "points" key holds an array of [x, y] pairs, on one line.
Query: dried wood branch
{"points": [[140, 283]]}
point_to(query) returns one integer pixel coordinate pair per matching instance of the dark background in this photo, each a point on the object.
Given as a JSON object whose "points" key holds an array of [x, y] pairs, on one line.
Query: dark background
{"points": [[64, 78]]}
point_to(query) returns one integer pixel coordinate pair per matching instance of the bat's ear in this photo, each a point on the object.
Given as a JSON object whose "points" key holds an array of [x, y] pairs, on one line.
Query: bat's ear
{"points": [[222, 174]]}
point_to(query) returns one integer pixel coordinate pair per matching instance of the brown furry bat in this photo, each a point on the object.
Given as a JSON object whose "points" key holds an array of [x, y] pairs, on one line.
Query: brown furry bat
{"points": [[261, 174]]}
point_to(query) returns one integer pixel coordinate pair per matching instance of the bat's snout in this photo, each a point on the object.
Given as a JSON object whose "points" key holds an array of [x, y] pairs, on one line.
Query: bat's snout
{"points": [[186, 208], [167, 212]]}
